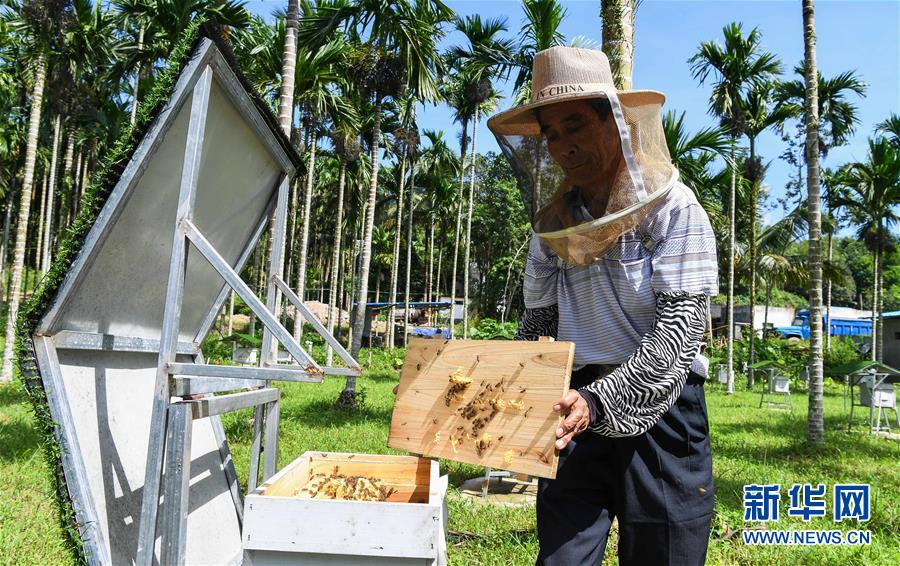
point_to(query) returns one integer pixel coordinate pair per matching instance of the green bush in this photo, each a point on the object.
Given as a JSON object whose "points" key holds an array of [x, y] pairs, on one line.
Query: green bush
{"points": [[490, 329], [789, 358], [216, 350], [841, 351]]}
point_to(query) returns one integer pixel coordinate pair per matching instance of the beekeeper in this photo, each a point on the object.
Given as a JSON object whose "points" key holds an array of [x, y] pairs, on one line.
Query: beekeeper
{"points": [[621, 263]]}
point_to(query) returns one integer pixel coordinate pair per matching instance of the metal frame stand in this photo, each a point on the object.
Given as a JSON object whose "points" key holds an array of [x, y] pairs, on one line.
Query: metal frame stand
{"points": [[771, 389], [171, 421]]}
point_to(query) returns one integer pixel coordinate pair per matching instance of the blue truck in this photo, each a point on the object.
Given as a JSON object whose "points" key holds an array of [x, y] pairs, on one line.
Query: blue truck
{"points": [[837, 326]]}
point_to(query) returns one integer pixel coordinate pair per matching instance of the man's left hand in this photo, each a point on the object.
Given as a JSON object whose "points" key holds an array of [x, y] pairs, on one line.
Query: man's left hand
{"points": [[578, 417]]}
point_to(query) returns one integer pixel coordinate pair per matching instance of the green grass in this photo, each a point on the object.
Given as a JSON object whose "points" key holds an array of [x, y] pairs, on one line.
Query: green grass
{"points": [[750, 445]]}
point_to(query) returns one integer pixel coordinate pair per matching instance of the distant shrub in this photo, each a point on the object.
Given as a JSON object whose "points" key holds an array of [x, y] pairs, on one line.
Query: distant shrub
{"points": [[841, 351], [490, 329]]}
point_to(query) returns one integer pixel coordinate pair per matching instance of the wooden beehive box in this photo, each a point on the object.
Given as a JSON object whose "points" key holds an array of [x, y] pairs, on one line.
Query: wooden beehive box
{"points": [[502, 419], [408, 528]]}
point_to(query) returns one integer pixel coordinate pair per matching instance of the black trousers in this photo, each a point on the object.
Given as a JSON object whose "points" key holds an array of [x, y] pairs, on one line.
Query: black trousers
{"points": [[658, 485]]}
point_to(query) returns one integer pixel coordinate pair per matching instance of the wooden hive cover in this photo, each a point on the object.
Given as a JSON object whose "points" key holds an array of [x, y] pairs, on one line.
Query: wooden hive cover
{"points": [[503, 418]]}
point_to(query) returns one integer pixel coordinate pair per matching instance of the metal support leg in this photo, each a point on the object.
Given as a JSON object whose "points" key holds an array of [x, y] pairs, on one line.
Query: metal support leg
{"points": [[258, 416], [177, 486], [270, 458]]}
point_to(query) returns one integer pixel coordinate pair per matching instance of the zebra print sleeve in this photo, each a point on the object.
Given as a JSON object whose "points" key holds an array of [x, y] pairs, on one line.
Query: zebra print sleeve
{"points": [[632, 398], [537, 322]]}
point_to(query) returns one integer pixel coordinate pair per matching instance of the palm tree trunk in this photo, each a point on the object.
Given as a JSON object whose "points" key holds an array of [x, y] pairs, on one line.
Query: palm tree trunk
{"points": [[288, 65], [827, 327], [257, 255], [7, 217], [34, 122], [754, 187], [880, 334], [137, 78], [618, 38], [66, 197], [730, 314], [395, 264], [348, 395], [409, 238], [76, 184], [354, 272], [336, 260], [437, 279], [48, 222], [304, 232], [429, 276], [377, 285], [39, 263], [875, 260], [469, 231], [459, 200], [816, 423], [231, 313]]}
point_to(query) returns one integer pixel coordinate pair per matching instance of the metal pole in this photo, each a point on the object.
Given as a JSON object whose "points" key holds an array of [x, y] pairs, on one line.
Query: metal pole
{"points": [[171, 318]]}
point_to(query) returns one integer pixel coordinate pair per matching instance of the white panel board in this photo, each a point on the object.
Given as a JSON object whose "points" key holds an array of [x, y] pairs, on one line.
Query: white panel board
{"points": [[110, 395]]}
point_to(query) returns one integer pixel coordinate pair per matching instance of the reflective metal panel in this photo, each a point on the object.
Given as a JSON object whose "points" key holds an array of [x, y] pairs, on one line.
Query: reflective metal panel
{"points": [[123, 291]]}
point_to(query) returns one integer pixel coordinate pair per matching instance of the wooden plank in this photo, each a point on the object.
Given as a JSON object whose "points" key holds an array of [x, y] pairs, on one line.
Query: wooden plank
{"points": [[535, 374]]}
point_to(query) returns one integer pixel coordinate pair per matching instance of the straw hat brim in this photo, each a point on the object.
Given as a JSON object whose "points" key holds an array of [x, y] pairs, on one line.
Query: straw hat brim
{"points": [[521, 120]]}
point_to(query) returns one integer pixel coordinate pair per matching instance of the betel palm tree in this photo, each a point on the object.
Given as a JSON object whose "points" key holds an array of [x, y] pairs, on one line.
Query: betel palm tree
{"points": [[257, 48], [163, 22], [838, 118], [320, 76], [736, 67], [485, 57], [436, 168], [39, 26], [540, 30], [890, 128], [692, 154], [761, 114], [346, 147], [618, 38], [872, 191], [406, 139], [289, 65], [400, 53], [815, 419]]}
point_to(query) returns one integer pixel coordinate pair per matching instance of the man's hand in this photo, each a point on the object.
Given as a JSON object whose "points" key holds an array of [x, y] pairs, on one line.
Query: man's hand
{"points": [[578, 417]]}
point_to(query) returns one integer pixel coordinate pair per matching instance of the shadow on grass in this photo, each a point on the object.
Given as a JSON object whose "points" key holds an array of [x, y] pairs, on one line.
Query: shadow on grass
{"points": [[323, 413], [792, 448], [11, 394], [18, 440], [380, 375]]}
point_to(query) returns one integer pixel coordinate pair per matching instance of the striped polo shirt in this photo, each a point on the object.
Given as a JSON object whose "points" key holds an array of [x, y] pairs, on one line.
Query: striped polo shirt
{"points": [[606, 307]]}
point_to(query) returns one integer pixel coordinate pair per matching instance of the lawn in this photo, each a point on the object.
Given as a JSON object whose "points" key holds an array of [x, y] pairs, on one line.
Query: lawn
{"points": [[750, 445]]}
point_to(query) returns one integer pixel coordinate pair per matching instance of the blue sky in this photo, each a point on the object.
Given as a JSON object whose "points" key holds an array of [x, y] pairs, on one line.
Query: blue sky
{"points": [[852, 35]]}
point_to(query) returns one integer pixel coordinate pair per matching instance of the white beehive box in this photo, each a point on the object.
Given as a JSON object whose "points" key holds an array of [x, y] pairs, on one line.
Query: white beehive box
{"points": [[407, 529], [780, 384]]}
